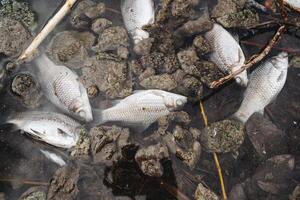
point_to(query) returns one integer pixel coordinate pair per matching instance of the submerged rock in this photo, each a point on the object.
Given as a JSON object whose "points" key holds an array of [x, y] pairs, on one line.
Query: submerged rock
{"points": [[223, 136], [100, 24], [27, 90], [13, 37], [34, 193], [143, 47], [225, 7], [163, 82], [201, 45], [112, 38], [149, 159], [107, 143], [203, 193], [69, 48], [244, 19], [111, 76], [82, 148], [19, 11]]}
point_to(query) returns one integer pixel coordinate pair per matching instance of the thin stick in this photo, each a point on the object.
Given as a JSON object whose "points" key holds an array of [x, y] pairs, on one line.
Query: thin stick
{"points": [[46, 30], [204, 116], [113, 10], [253, 60], [25, 182], [255, 44]]}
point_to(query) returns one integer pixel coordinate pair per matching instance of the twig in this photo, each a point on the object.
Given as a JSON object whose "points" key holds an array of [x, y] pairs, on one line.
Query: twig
{"points": [[25, 182], [253, 43], [113, 10], [45, 31], [254, 60], [174, 191], [204, 116]]}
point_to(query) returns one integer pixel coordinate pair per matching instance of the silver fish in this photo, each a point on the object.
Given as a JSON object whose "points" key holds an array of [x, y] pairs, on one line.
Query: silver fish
{"points": [[227, 53], [143, 108], [62, 87], [53, 128], [53, 157], [136, 14], [295, 4], [264, 85]]}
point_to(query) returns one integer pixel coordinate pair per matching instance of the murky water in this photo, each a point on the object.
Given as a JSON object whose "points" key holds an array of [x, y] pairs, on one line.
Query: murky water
{"points": [[21, 159]]}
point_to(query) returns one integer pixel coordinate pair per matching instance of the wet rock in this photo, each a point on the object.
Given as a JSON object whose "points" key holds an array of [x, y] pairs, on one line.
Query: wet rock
{"points": [[136, 68], [271, 178], [26, 90], [147, 73], [187, 57], [123, 52], [13, 37], [237, 193], [223, 136], [19, 11], [162, 82], [295, 62], [34, 193], [149, 159], [92, 91], [112, 38], [264, 136], [244, 19], [69, 48], [110, 74], [201, 45], [144, 46], [203, 193], [82, 148], [190, 86], [100, 24], [296, 193], [225, 7], [2, 196], [183, 8], [190, 156], [107, 143], [194, 27], [171, 64], [153, 60], [208, 72], [165, 122], [84, 12]]}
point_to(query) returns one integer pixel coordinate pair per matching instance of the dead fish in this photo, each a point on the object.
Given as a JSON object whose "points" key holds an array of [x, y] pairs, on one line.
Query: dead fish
{"points": [[142, 108], [53, 128], [227, 53], [53, 157], [294, 4], [264, 85], [62, 87], [136, 14]]}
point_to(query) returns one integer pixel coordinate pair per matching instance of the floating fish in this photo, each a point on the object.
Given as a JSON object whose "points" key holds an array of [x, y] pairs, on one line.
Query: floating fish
{"points": [[53, 157], [62, 87], [227, 53], [294, 4], [142, 108], [53, 128], [136, 14], [264, 85]]}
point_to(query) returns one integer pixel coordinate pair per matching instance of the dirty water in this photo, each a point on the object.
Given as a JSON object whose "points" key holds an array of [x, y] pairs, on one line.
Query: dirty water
{"points": [[114, 165]]}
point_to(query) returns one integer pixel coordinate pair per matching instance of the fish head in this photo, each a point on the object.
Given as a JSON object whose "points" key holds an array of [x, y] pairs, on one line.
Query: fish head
{"points": [[281, 61], [242, 79], [174, 101], [81, 107]]}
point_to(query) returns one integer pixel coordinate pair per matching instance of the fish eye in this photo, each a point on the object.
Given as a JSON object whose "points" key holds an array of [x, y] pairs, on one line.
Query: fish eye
{"points": [[81, 113], [179, 102]]}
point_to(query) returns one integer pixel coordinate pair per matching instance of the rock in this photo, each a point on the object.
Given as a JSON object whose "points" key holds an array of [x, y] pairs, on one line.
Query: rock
{"points": [[264, 136], [26, 90], [296, 193], [34, 193], [112, 38], [237, 193], [147, 73], [100, 24], [143, 47], [136, 68], [208, 72], [194, 27], [171, 64], [183, 8], [82, 148], [109, 74], [92, 91], [225, 7], [153, 60], [2, 196], [13, 37], [190, 86], [96, 11], [149, 159], [69, 48], [243, 19], [203, 193], [191, 156], [19, 11], [107, 143], [295, 62], [123, 52], [162, 82], [187, 57], [223, 136], [201, 45]]}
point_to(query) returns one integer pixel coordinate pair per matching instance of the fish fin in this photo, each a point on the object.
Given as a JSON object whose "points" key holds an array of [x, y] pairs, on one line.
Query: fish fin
{"points": [[53, 157], [62, 132], [280, 77], [82, 89], [36, 134]]}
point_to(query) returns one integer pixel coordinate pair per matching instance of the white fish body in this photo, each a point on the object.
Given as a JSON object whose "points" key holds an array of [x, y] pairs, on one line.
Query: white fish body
{"points": [[53, 157], [136, 14], [53, 128], [265, 84], [227, 53], [143, 108], [62, 87], [293, 3]]}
